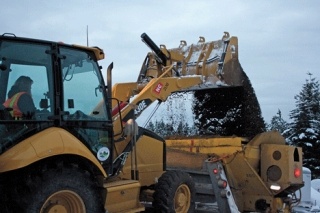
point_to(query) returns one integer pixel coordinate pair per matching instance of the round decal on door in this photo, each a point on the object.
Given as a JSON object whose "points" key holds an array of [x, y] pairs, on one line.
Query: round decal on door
{"points": [[103, 153]]}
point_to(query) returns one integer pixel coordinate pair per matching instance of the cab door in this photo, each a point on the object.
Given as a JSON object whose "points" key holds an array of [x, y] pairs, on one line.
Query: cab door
{"points": [[84, 103]]}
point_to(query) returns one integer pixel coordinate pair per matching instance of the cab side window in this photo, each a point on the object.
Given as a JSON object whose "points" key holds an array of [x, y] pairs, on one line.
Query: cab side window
{"points": [[39, 89]]}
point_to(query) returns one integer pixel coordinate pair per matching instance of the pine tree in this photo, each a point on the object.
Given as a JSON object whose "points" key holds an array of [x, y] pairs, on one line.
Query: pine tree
{"points": [[186, 130], [278, 123], [304, 130], [151, 126], [253, 122], [160, 128], [166, 129]]}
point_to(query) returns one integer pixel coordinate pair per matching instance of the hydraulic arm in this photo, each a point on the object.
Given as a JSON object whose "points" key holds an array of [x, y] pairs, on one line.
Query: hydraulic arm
{"points": [[198, 66]]}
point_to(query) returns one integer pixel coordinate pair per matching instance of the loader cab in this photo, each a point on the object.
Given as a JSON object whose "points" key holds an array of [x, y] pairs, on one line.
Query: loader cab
{"points": [[68, 92]]}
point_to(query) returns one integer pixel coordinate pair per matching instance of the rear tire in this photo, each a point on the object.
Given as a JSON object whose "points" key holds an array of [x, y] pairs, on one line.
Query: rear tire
{"points": [[65, 190], [174, 193]]}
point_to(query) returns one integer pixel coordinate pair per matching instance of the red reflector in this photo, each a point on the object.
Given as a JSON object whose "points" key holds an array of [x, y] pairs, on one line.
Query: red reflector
{"points": [[297, 172], [215, 171]]}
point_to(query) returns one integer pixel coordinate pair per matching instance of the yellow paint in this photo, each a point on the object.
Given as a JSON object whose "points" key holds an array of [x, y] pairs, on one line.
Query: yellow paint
{"points": [[50, 142]]}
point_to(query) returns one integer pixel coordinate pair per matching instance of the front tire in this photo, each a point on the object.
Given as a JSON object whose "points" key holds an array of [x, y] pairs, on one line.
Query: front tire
{"points": [[66, 190], [174, 193]]}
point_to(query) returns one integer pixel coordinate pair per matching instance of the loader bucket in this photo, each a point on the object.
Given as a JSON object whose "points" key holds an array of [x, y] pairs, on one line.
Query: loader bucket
{"points": [[225, 90], [217, 61]]}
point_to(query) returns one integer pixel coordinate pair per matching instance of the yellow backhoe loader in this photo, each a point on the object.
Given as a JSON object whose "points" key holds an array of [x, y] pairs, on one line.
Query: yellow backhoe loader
{"points": [[79, 149]]}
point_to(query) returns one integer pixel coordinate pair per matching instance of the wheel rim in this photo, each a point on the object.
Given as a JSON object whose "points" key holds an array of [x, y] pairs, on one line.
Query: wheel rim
{"points": [[182, 199], [64, 201]]}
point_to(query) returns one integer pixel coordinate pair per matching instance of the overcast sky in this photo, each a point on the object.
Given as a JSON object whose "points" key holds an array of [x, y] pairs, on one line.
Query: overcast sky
{"points": [[279, 41]]}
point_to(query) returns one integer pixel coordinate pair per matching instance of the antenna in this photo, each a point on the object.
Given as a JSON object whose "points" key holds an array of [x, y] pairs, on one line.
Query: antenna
{"points": [[87, 36]]}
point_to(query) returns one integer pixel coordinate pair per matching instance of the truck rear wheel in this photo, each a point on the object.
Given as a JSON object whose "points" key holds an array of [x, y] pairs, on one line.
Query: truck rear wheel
{"points": [[65, 190], [174, 192]]}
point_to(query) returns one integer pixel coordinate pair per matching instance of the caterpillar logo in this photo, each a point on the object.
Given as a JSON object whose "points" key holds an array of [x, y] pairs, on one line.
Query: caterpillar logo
{"points": [[158, 88]]}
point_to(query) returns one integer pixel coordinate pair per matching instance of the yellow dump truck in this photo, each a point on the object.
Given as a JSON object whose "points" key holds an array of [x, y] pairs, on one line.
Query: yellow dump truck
{"points": [[241, 176]]}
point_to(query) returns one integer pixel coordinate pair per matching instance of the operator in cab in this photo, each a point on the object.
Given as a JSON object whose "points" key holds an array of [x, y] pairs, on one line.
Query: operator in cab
{"points": [[20, 100]]}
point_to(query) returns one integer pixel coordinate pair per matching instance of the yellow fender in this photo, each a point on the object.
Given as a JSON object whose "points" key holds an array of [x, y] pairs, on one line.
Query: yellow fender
{"points": [[50, 142]]}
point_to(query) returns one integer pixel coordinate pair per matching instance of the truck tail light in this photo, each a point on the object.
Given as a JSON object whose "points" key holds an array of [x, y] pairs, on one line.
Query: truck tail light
{"points": [[297, 172]]}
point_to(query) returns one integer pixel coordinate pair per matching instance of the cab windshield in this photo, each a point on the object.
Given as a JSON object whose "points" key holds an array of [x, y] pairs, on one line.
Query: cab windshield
{"points": [[82, 85]]}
